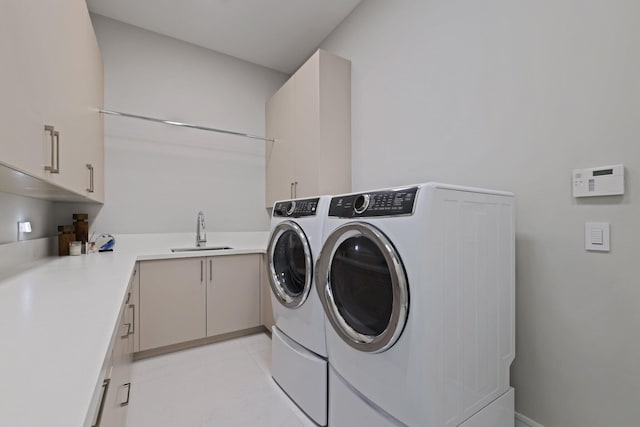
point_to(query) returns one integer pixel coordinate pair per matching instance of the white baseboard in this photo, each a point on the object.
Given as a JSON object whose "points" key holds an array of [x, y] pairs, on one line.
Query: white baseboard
{"points": [[522, 421]]}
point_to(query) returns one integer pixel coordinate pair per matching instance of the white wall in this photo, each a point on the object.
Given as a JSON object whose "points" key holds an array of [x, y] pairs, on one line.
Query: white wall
{"points": [[14, 253], [14, 208], [158, 177], [514, 95]]}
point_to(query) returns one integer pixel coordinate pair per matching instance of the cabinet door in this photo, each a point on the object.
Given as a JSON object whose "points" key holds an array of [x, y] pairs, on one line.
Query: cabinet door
{"points": [[25, 85], [233, 293], [119, 390], [280, 155], [172, 301], [77, 95], [134, 308], [116, 400], [316, 121], [85, 64], [334, 121], [52, 75], [306, 126], [265, 295]]}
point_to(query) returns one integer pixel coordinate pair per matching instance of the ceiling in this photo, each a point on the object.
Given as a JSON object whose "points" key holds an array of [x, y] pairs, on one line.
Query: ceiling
{"points": [[278, 34]]}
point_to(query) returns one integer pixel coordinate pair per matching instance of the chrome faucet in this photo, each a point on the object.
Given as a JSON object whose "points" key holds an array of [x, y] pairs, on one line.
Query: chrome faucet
{"points": [[201, 235]]}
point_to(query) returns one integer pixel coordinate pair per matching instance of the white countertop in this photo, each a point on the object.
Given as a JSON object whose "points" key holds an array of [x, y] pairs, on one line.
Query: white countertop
{"points": [[57, 319]]}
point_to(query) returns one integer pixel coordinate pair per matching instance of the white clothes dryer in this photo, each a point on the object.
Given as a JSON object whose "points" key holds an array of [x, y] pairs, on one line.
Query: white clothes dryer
{"points": [[417, 284], [299, 352]]}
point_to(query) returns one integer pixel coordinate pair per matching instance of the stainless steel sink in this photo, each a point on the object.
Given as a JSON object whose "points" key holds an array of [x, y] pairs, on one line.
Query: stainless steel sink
{"points": [[201, 248]]}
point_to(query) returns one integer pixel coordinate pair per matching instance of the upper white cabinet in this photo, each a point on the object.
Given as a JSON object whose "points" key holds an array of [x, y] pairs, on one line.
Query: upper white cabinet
{"points": [[310, 120], [52, 86], [281, 154]]}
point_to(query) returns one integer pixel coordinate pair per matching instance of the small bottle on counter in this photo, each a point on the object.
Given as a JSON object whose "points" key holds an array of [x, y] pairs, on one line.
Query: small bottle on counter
{"points": [[75, 248], [66, 235], [81, 224]]}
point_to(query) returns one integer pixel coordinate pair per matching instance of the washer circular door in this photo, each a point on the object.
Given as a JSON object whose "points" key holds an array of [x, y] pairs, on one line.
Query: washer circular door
{"points": [[290, 264], [363, 287]]}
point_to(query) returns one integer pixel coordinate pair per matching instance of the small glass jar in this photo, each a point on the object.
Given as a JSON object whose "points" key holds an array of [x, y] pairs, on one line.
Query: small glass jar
{"points": [[75, 248]]}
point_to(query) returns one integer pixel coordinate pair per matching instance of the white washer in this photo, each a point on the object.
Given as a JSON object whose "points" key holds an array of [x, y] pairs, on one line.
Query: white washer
{"points": [[417, 284], [299, 352]]}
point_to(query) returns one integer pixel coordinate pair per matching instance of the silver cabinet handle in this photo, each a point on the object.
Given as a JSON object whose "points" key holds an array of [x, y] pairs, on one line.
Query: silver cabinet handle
{"points": [[201, 270], [210, 270], [128, 386], [90, 167], [98, 418], [128, 330], [51, 130], [56, 134], [133, 318]]}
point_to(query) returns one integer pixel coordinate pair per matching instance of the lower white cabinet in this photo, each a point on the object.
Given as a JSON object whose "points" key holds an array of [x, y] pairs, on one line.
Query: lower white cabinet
{"points": [[134, 307], [111, 410], [233, 293], [267, 309], [186, 299]]}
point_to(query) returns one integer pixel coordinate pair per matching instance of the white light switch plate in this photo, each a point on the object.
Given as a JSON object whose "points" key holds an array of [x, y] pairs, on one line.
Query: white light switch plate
{"points": [[596, 236]]}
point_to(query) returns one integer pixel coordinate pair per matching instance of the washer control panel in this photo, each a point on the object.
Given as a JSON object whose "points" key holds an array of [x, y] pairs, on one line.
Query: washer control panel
{"points": [[374, 203], [296, 208]]}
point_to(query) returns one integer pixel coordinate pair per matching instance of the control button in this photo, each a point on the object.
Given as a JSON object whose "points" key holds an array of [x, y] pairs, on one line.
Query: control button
{"points": [[291, 206], [361, 203]]}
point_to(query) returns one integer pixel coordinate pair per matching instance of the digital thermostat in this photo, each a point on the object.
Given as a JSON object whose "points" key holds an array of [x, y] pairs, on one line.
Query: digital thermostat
{"points": [[600, 181]]}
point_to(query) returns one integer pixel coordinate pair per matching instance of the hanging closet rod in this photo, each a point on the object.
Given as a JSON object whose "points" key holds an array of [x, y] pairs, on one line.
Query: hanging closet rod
{"points": [[184, 125]]}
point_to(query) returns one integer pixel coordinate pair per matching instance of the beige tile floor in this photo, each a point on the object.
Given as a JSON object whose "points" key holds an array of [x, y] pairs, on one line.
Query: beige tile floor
{"points": [[222, 384]]}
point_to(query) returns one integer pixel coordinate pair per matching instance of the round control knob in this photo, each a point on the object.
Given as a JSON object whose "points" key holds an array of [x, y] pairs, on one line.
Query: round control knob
{"points": [[361, 203], [291, 206]]}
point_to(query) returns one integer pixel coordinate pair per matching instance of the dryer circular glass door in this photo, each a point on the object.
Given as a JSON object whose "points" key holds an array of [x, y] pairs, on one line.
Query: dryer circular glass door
{"points": [[363, 287], [290, 264]]}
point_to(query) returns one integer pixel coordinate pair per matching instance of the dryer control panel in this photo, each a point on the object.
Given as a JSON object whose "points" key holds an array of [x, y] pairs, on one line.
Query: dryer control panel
{"points": [[296, 208], [375, 203]]}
